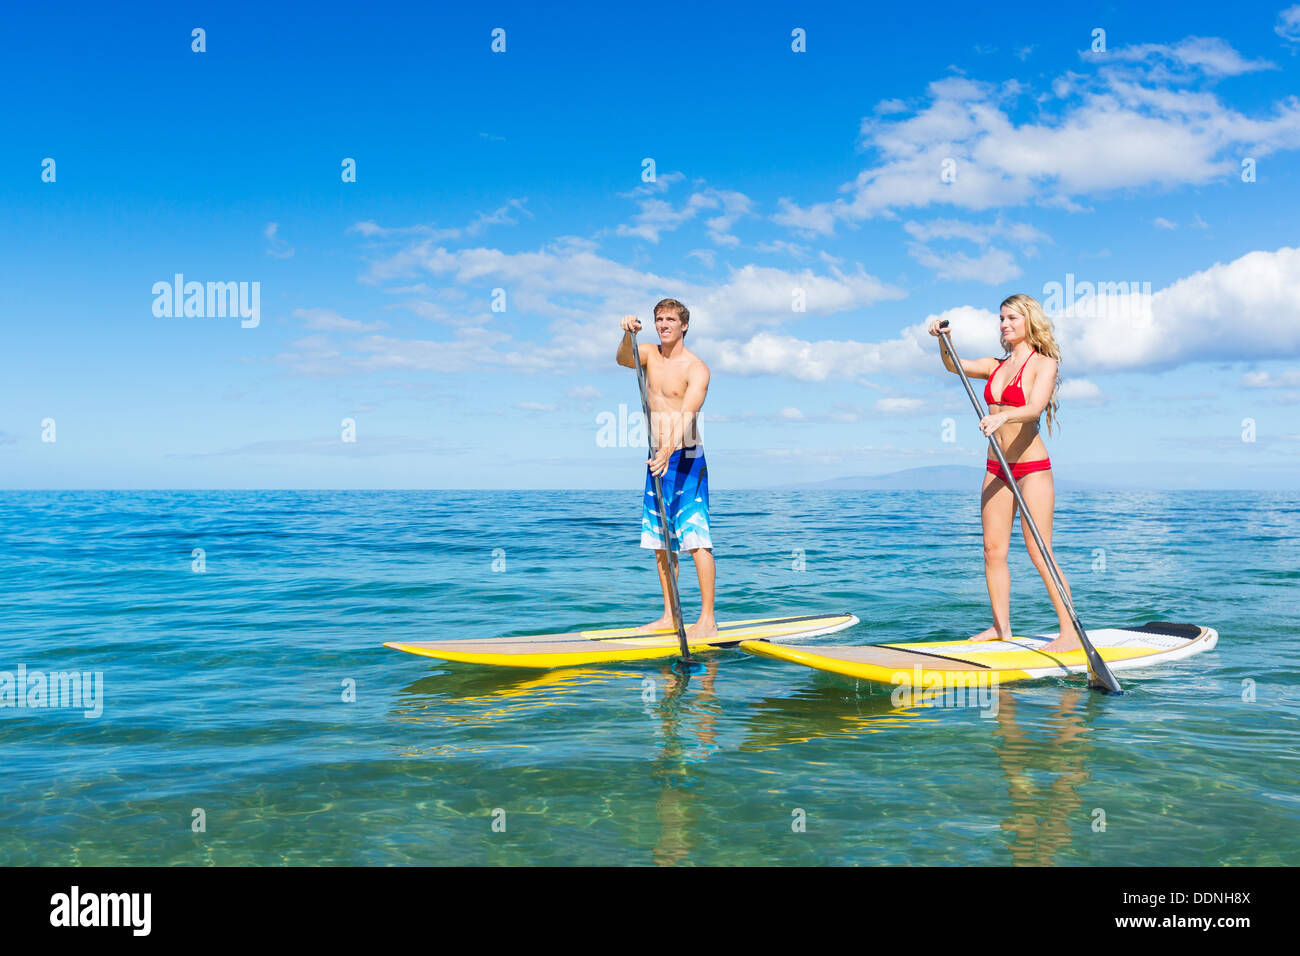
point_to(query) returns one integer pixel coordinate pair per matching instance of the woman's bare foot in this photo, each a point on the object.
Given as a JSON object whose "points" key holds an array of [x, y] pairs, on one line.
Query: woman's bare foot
{"points": [[1068, 641], [988, 634], [665, 623], [702, 630]]}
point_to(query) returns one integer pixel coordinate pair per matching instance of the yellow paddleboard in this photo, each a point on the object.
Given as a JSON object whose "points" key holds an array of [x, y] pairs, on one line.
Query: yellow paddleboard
{"points": [[936, 663], [618, 644]]}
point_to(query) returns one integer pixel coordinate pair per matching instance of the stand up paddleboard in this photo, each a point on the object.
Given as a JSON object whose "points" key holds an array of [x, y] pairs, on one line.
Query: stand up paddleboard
{"points": [[935, 663], [618, 644]]}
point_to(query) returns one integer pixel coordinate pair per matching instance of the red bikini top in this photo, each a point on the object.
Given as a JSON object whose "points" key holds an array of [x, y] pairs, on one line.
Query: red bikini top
{"points": [[1013, 394]]}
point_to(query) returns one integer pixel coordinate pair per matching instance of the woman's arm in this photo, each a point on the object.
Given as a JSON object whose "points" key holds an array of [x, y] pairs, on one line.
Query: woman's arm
{"points": [[974, 368]]}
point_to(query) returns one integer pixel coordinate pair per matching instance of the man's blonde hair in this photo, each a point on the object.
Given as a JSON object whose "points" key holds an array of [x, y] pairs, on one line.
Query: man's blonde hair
{"points": [[672, 305]]}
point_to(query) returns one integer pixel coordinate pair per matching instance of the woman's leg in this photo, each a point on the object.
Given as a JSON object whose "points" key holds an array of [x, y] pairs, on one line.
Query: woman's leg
{"points": [[1039, 492], [997, 512]]}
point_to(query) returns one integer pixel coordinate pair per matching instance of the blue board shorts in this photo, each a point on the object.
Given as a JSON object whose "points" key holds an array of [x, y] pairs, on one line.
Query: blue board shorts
{"points": [[686, 502]]}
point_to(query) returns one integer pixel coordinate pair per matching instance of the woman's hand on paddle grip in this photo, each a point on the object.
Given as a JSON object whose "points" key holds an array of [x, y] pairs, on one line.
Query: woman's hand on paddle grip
{"points": [[991, 423]]}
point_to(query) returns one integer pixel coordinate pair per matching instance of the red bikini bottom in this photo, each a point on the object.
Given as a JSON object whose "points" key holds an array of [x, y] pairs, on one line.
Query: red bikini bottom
{"points": [[1019, 469]]}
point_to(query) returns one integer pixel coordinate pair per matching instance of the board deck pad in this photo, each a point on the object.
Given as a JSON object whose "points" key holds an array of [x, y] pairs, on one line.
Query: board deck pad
{"points": [[928, 662], [616, 644]]}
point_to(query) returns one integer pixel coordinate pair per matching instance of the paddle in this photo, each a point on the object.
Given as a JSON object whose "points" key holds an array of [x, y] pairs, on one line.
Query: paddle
{"points": [[1099, 675], [686, 665]]}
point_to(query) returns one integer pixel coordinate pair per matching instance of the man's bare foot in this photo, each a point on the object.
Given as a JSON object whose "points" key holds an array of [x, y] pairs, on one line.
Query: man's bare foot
{"points": [[702, 630], [664, 623], [1068, 641], [988, 634]]}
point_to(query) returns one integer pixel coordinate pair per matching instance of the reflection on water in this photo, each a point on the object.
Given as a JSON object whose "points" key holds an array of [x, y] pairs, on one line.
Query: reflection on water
{"points": [[1046, 764], [832, 707], [671, 769]]}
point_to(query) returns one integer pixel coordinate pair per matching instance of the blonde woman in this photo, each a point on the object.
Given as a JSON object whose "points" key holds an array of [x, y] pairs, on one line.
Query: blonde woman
{"points": [[1020, 388]]}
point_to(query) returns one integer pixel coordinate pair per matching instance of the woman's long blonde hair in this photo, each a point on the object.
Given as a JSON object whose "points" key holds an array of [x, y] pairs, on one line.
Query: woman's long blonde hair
{"points": [[1038, 329]]}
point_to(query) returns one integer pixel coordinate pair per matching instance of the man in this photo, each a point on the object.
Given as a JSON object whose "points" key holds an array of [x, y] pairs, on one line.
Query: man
{"points": [[677, 382]]}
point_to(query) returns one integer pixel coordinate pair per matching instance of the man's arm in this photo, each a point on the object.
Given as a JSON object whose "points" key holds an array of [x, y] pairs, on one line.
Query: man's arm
{"points": [[624, 358], [697, 387]]}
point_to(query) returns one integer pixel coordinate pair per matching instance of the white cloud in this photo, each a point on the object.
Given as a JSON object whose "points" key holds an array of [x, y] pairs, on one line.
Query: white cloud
{"points": [[312, 355], [1287, 379], [1080, 390], [327, 320], [503, 215], [750, 295], [974, 332], [1288, 24], [947, 229], [660, 184], [1210, 56], [734, 206], [763, 295], [899, 405], [818, 219], [469, 349], [994, 266], [1227, 312], [583, 293], [781, 247], [1118, 128], [659, 215], [1163, 223], [275, 246]]}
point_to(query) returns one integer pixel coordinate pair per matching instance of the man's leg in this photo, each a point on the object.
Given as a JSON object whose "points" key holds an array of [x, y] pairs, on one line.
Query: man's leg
{"points": [[661, 559], [706, 627]]}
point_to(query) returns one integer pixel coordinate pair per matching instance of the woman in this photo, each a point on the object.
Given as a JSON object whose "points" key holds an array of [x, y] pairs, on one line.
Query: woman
{"points": [[1020, 388]]}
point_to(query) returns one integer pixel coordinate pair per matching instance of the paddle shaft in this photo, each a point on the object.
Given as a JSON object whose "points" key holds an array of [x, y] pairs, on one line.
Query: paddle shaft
{"points": [[1099, 674], [670, 539]]}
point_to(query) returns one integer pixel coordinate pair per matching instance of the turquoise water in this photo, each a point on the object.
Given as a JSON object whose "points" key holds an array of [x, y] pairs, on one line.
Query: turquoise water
{"points": [[229, 690]]}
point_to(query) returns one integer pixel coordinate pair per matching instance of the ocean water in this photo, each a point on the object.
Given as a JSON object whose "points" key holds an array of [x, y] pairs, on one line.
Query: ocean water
{"points": [[250, 714]]}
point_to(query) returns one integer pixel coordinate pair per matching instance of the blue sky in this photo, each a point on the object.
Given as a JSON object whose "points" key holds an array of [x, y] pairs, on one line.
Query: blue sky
{"points": [[928, 163]]}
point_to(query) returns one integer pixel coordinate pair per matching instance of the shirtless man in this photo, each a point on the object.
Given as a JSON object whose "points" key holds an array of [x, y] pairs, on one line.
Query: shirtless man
{"points": [[677, 382]]}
